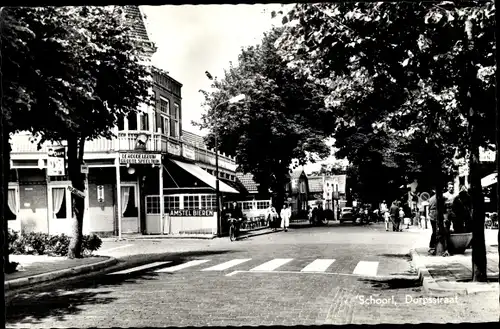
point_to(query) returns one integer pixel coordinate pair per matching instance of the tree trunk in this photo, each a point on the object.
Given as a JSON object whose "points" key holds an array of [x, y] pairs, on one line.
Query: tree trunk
{"points": [[4, 187], [478, 244], [75, 157], [441, 231]]}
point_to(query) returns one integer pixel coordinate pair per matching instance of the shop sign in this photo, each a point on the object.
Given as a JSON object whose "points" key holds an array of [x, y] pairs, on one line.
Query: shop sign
{"points": [[191, 213], [140, 158], [100, 193], [174, 149], [486, 155], [56, 165], [188, 152]]}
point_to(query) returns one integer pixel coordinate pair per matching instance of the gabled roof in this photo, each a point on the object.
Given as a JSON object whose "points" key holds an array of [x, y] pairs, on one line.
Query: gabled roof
{"points": [[248, 182], [296, 173], [315, 184]]}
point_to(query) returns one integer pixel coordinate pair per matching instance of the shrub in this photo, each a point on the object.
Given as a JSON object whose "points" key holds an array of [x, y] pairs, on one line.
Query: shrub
{"points": [[53, 245], [91, 243]]}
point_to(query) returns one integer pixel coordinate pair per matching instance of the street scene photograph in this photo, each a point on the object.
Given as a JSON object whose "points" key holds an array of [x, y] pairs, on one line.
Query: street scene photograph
{"points": [[269, 164]]}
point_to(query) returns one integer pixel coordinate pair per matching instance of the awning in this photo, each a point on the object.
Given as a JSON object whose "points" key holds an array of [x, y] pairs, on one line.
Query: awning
{"points": [[204, 176], [489, 180]]}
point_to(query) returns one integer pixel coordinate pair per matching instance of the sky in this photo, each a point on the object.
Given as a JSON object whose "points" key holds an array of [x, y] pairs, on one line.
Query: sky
{"points": [[192, 39]]}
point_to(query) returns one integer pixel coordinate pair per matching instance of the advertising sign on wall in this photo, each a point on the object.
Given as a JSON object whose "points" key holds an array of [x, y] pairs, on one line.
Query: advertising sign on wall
{"points": [[56, 165], [191, 213], [140, 158], [188, 151], [174, 149]]}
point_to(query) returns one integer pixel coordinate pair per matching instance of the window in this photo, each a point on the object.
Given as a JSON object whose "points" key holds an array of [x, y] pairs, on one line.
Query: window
{"points": [[152, 204], [144, 121], [247, 205], [62, 201], [263, 204], [191, 202], [12, 203], [164, 105], [132, 121], [174, 121], [302, 187], [121, 123], [208, 202], [164, 124], [128, 200], [171, 203]]}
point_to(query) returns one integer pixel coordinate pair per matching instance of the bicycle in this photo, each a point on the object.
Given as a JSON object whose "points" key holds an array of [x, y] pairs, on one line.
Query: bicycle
{"points": [[234, 230]]}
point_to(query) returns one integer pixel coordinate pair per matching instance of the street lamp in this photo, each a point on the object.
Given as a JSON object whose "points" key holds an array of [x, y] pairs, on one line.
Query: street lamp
{"points": [[232, 100]]}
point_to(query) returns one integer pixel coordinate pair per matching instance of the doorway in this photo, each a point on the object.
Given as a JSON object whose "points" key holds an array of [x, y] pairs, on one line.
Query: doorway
{"points": [[130, 207]]}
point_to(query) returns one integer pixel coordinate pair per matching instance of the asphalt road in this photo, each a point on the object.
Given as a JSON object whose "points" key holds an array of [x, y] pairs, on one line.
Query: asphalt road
{"points": [[323, 275]]}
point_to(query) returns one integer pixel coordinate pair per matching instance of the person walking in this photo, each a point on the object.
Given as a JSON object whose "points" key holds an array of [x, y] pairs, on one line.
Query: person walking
{"points": [[285, 215], [394, 212], [401, 219], [383, 209], [386, 220], [433, 219]]}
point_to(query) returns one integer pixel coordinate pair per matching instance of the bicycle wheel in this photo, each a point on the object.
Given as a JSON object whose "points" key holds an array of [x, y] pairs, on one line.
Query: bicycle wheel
{"points": [[232, 237]]}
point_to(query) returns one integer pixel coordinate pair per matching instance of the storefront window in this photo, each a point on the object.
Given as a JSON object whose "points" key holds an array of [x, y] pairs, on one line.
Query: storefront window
{"points": [[171, 203], [191, 202], [262, 204], [208, 202]]}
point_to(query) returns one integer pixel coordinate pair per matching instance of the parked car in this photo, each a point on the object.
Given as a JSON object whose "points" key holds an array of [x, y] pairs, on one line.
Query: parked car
{"points": [[491, 220], [347, 214]]}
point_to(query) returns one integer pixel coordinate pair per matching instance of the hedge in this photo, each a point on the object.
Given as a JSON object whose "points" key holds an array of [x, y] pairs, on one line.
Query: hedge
{"points": [[35, 243]]}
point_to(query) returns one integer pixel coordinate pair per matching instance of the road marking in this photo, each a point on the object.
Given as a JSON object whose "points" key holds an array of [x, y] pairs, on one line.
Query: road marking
{"points": [[271, 265], [300, 272], [366, 268], [318, 265], [182, 266], [116, 248], [226, 265], [138, 268], [233, 273]]}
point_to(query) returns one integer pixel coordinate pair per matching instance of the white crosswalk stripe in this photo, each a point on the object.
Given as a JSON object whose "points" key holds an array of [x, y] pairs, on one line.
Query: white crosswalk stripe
{"points": [[366, 268], [182, 266], [139, 268], [318, 265], [271, 265], [226, 265]]}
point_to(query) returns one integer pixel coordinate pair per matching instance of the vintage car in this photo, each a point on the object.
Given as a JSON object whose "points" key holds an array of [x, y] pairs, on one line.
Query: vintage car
{"points": [[347, 214]]}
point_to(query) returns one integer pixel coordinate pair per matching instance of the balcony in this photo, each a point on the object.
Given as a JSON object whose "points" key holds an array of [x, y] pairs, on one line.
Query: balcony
{"points": [[126, 141], [24, 148]]}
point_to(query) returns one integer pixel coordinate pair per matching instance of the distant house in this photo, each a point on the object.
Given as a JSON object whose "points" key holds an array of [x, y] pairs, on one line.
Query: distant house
{"points": [[297, 191], [315, 189]]}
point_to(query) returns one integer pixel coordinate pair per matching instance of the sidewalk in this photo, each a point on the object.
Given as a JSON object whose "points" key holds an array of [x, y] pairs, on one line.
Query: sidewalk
{"points": [[34, 269], [134, 237], [453, 274]]}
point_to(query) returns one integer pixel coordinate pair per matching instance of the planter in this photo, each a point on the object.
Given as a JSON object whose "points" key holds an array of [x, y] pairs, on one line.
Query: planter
{"points": [[459, 242]]}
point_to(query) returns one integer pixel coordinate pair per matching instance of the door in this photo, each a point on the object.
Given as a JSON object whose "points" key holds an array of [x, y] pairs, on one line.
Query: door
{"points": [[130, 207], [60, 209]]}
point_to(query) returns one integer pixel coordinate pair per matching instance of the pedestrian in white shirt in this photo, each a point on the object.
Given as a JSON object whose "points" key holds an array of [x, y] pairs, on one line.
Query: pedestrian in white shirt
{"points": [[285, 215], [387, 217]]}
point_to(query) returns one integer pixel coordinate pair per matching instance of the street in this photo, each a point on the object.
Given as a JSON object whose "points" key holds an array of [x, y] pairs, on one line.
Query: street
{"points": [[312, 275]]}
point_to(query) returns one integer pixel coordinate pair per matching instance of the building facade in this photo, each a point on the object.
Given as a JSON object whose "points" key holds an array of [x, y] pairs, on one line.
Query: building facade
{"points": [[151, 178]]}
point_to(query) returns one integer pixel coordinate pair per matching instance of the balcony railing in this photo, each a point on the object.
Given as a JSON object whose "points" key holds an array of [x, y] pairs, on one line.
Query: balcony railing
{"points": [[127, 141]]}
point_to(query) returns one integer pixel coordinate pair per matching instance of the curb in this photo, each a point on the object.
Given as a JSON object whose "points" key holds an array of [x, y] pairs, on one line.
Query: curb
{"points": [[54, 275], [428, 282], [164, 237]]}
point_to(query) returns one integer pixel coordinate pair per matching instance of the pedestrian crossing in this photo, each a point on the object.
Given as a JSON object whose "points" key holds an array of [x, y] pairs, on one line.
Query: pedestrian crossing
{"points": [[277, 265]]}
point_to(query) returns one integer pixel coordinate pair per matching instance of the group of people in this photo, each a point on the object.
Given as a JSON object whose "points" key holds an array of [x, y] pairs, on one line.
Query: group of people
{"points": [[275, 221], [394, 215], [279, 221], [457, 214]]}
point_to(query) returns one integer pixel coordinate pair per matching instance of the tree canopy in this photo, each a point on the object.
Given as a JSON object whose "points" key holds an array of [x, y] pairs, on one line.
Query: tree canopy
{"points": [[68, 74], [283, 118]]}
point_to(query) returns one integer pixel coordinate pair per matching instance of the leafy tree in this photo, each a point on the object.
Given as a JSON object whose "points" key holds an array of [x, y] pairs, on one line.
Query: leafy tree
{"points": [[404, 63], [68, 74], [283, 118]]}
